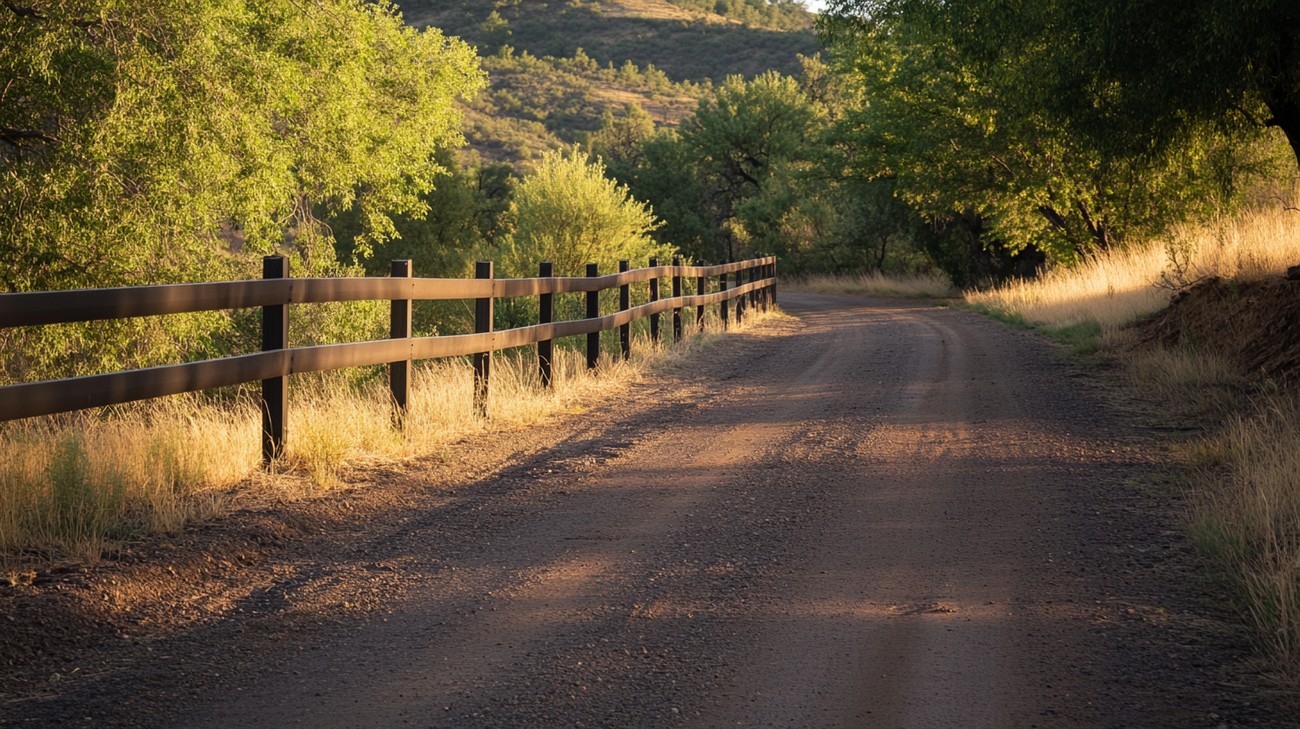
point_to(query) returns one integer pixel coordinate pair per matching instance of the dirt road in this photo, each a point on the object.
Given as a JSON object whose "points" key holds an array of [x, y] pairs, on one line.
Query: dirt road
{"points": [[878, 514]]}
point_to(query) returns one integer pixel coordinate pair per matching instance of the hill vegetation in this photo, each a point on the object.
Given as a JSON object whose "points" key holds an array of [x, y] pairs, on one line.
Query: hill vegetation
{"points": [[689, 40]]}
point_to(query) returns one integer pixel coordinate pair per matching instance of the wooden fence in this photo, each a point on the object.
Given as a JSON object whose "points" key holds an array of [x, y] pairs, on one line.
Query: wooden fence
{"points": [[743, 284]]}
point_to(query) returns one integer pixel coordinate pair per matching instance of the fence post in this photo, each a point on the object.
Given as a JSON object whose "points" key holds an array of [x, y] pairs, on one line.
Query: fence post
{"points": [[739, 279], [654, 296], [482, 324], [771, 272], [753, 294], [625, 303], [701, 288], [275, 390], [677, 292], [545, 315], [593, 311], [399, 327], [724, 308]]}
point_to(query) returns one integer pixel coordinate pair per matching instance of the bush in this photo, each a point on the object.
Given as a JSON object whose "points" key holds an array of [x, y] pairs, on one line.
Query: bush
{"points": [[567, 212]]}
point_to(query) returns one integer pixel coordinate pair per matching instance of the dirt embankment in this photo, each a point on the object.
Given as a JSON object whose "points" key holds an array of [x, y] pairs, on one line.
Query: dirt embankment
{"points": [[1255, 324], [879, 514]]}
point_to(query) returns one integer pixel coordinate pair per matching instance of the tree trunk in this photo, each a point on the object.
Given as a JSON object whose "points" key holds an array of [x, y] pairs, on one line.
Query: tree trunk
{"points": [[1286, 116], [1283, 99]]}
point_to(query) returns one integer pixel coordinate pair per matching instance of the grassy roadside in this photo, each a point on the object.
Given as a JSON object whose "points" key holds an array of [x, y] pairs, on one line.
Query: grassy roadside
{"points": [[1243, 474], [72, 485]]}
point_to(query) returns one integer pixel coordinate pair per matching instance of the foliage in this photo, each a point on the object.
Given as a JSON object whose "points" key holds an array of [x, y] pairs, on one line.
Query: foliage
{"points": [[781, 14], [1130, 75], [969, 129], [620, 139], [567, 212], [538, 103], [174, 141]]}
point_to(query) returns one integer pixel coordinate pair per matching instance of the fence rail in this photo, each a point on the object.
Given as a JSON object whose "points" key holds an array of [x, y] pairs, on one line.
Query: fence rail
{"points": [[275, 291]]}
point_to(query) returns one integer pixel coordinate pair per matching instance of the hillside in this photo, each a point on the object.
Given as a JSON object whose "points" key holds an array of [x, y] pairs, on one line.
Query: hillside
{"points": [[557, 67]]}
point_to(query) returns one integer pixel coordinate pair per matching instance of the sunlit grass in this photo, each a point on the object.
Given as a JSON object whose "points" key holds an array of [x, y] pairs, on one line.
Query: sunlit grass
{"points": [[72, 484], [1118, 287]]}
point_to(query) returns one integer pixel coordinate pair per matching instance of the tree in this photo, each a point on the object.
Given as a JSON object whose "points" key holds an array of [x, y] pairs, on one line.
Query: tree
{"points": [[742, 137], [567, 212], [171, 124], [175, 140], [620, 139], [977, 110], [1142, 72]]}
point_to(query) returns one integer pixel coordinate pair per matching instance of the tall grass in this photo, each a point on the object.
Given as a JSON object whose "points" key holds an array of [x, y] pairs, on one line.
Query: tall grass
{"points": [[71, 484], [1247, 516], [1120, 286]]}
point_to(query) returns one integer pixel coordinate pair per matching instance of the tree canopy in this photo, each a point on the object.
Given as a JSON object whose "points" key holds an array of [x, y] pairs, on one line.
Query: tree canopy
{"points": [[178, 140], [1024, 115], [134, 136], [1138, 73]]}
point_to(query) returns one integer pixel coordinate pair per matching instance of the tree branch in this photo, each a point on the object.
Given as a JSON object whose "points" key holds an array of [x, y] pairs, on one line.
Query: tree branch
{"points": [[23, 11], [15, 137]]}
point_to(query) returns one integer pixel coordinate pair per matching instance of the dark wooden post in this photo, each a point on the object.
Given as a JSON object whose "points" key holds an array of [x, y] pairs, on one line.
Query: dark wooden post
{"points": [[625, 303], [725, 307], [275, 390], [772, 274], [654, 296], [753, 293], [482, 324], [701, 288], [739, 279], [593, 311], [677, 292], [545, 315], [399, 327]]}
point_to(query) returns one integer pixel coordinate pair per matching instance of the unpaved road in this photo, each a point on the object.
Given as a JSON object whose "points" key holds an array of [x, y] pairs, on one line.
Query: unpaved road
{"points": [[879, 514]]}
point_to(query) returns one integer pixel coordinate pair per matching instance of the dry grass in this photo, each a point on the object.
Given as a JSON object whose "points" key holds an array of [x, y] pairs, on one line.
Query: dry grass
{"points": [[1122, 286], [1246, 514], [933, 286], [71, 484], [1188, 383]]}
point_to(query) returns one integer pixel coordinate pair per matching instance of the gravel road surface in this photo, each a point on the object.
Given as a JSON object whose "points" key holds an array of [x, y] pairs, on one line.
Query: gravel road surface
{"points": [[875, 514]]}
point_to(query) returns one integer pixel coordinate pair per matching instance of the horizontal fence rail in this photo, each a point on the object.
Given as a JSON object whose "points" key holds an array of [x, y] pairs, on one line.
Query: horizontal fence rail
{"points": [[278, 360]]}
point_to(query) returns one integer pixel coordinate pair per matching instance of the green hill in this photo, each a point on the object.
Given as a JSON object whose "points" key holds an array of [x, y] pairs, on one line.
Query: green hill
{"points": [[557, 67]]}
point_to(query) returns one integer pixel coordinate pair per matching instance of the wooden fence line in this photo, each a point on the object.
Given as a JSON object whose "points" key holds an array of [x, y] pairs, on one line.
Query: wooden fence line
{"points": [[275, 291]]}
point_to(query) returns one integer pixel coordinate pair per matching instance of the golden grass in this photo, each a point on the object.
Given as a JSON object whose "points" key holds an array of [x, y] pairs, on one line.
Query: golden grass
{"points": [[1246, 514], [933, 286], [1122, 286], [71, 484]]}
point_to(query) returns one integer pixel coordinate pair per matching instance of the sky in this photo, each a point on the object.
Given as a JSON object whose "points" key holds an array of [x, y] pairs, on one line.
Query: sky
{"points": [[815, 5]]}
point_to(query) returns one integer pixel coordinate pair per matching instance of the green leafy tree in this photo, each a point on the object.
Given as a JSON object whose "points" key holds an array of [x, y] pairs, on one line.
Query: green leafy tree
{"points": [[569, 213], [176, 140], [974, 121], [742, 137], [620, 139]]}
